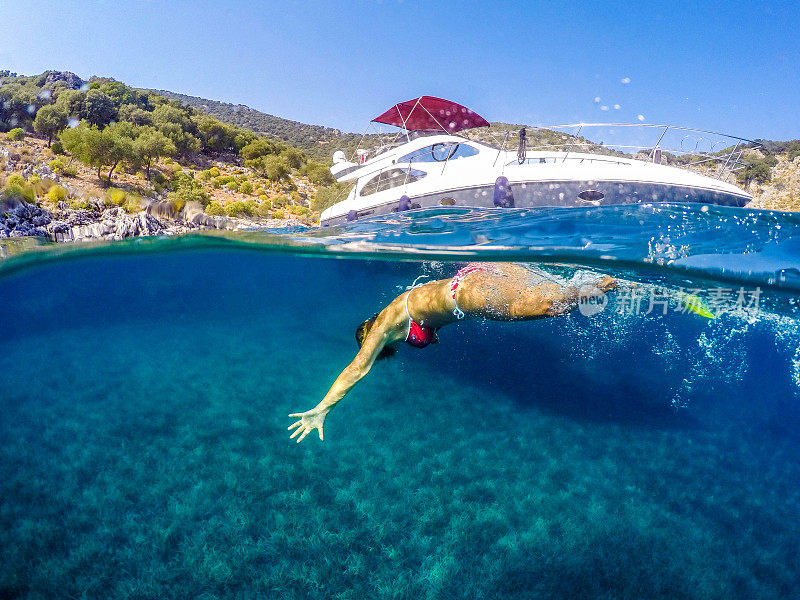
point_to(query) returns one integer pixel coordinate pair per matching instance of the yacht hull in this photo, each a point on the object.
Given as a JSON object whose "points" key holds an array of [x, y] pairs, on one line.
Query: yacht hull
{"points": [[569, 193]]}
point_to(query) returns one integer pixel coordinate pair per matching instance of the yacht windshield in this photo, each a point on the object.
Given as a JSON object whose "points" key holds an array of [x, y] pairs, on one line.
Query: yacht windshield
{"points": [[440, 152]]}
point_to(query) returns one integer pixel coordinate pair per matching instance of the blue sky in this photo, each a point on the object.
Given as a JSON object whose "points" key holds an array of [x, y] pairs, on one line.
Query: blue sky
{"points": [[730, 66]]}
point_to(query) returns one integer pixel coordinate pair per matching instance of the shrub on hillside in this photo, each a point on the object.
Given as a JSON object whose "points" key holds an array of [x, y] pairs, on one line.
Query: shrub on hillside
{"points": [[221, 180], [215, 208], [246, 187], [300, 211], [57, 166], [186, 189], [16, 134], [18, 192], [241, 208], [79, 204], [16, 180], [264, 208], [132, 204], [115, 196], [56, 194]]}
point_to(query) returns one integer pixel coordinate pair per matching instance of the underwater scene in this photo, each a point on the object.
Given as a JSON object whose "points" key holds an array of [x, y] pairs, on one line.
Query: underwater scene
{"points": [[644, 445]]}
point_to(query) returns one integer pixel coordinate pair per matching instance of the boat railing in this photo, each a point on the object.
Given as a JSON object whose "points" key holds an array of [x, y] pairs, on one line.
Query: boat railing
{"points": [[711, 153]]}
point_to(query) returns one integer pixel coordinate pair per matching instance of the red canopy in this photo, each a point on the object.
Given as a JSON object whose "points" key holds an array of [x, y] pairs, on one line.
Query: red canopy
{"points": [[427, 112]]}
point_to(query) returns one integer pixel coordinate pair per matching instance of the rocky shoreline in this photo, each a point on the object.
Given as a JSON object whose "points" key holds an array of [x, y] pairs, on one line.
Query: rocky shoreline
{"points": [[22, 219], [99, 219]]}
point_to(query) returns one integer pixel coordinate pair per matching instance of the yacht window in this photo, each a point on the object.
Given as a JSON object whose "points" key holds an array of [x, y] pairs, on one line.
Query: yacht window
{"points": [[440, 152], [463, 151], [389, 179]]}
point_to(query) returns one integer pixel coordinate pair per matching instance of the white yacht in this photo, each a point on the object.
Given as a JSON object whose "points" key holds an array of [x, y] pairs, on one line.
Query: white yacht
{"points": [[430, 165]]}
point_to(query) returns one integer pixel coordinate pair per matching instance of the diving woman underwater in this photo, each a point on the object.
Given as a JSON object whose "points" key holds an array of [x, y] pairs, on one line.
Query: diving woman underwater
{"points": [[492, 291]]}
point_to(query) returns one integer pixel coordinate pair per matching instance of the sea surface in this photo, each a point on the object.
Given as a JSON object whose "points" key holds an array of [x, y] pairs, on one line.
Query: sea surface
{"points": [[646, 446]]}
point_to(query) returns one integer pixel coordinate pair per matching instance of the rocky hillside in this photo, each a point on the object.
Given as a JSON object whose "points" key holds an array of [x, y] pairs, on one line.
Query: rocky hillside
{"points": [[782, 191], [316, 141]]}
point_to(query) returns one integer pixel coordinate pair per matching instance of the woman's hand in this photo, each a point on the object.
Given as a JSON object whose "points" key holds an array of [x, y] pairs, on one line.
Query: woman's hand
{"points": [[309, 421]]}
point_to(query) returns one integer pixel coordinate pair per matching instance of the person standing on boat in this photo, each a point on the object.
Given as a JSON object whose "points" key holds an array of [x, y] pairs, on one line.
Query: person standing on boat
{"points": [[497, 292]]}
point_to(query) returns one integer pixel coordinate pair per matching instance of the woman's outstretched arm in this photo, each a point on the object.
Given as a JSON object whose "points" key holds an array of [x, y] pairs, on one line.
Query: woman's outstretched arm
{"points": [[383, 332]]}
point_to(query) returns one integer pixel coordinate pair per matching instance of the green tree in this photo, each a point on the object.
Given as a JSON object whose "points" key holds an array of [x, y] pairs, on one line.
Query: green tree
{"points": [[293, 157], [126, 129], [18, 101], [757, 168], [152, 145], [185, 142], [98, 108], [134, 114], [215, 135], [793, 149], [272, 167], [319, 174], [243, 137], [330, 195], [97, 148], [50, 121], [166, 114], [123, 94], [71, 101], [258, 148]]}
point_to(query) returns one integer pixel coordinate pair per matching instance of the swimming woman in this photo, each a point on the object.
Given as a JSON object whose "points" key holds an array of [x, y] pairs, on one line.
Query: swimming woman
{"points": [[499, 292]]}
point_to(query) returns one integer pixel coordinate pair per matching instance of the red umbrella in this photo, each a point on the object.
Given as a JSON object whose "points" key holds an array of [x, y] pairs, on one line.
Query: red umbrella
{"points": [[428, 112]]}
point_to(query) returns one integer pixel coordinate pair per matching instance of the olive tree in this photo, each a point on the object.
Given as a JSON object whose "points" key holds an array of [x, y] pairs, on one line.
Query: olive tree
{"points": [[97, 148], [152, 145], [50, 121]]}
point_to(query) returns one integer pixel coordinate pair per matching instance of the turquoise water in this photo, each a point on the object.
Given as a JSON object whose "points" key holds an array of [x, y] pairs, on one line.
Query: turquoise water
{"points": [[145, 387]]}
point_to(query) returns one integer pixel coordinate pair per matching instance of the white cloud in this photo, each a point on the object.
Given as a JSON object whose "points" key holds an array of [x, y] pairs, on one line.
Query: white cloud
{"points": [[617, 107], [640, 117], [625, 80]]}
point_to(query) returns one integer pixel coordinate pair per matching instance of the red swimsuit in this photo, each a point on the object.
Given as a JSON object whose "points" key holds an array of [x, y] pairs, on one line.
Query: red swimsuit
{"points": [[420, 336]]}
